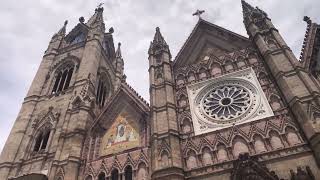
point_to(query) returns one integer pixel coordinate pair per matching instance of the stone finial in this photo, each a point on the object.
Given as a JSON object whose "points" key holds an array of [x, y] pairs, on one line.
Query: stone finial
{"points": [[111, 30], [81, 19], [307, 19]]}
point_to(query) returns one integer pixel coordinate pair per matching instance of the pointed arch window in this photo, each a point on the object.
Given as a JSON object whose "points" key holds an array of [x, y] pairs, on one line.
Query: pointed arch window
{"points": [[102, 176], [79, 38], [102, 91], [115, 174], [89, 177], [62, 79], [41, 140], [128, 173]]}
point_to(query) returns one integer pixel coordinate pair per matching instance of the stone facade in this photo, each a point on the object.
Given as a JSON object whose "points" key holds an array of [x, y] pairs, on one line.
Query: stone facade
{"points": [[81, 120]]}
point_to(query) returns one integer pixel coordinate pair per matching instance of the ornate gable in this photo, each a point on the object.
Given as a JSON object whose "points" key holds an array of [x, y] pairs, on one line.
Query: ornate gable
{"points": [[122, 125], [209, 39]]}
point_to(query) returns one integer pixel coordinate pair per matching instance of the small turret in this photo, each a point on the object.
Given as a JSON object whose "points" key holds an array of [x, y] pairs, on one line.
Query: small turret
{"points": [[158, 44], [56, 40]]}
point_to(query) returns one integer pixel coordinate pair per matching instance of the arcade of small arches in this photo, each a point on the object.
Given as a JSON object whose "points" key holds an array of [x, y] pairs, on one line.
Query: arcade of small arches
{"points": [[129, 173], [216, 68], [221, 152]]}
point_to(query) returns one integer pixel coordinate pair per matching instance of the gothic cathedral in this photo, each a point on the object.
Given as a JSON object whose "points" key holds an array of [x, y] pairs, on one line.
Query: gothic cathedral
{"points": [[227, 107]]}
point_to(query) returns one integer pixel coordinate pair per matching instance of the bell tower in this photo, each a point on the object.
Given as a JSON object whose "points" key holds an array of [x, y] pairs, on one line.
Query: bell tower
{"points": [[299, 88], [165, 142], [76, 77]]}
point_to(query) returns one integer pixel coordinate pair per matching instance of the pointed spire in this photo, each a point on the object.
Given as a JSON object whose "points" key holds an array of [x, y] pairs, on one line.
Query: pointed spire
{"points": [[118, 52], [158, 43], [97, 17], [246, 7], [61, 32], [63, 29], [250, 13], [158, 38]]}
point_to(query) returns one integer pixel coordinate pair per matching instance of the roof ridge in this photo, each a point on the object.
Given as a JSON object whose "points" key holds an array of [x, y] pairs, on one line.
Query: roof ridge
{"points": [[210, 24], [306, 41], [136, 93]]}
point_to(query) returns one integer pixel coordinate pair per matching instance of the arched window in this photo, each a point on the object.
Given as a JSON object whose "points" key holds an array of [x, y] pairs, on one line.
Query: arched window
{"points": [[292, 136], [62, 79], [252, 58], [88, 177], [142, 172], [275, 140], [164, 159], [240, 62], [275, 102], [191, 77], [41, 141], [239, 147], [182, 101], [191, 160], [79, 38], [102, 176], [263, 78], [180, 79], [222, 154], [186, 126], [102, 90], [202, 73], [115, 174], [259, 145], [206, 156], [228, 66], [128, 173], [216, 69]]}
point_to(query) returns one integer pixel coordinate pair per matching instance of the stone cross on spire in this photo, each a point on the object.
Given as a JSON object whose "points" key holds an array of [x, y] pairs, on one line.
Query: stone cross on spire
{"points": [[198, 13]]}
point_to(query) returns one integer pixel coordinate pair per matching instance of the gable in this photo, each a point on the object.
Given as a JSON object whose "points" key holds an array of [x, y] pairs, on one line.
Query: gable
{"points": [[122, 123], [207, 38], [122, 134]]}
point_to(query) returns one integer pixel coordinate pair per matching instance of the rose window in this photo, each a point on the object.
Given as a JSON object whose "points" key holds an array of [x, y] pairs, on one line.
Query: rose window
{"points": [[226, 102]]}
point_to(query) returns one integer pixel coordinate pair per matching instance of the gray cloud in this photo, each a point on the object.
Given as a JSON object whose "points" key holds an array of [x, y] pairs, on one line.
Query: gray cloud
{"points": [[27, 27]]}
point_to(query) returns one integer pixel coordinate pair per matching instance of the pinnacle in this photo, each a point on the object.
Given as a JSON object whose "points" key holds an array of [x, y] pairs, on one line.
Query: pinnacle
{"points": [[246, 7], [158, 38], [97, 17], [63, 29], [158, 43], [118, 52]]}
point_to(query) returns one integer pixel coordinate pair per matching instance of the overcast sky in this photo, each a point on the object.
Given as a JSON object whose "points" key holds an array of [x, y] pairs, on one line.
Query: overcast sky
{"points": [[27, 26]]}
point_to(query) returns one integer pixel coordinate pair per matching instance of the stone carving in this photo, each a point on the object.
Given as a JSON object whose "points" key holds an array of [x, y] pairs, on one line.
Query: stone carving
{"points": [[248, 168], [302, 174], [232, 99]]}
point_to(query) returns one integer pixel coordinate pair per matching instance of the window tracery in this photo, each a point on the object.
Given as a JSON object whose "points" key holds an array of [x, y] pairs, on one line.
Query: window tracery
{"points": [[62, 79], [128, 173], [103, 89], [41, 140]]}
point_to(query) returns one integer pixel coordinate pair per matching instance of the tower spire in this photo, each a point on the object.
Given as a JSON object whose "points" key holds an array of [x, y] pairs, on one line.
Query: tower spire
{"points": [[63, 29], [158, 44], [246, 8], [97, 17]]}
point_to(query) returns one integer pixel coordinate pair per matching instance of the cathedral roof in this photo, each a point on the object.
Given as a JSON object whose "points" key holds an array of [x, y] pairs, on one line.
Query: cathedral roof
{"points": [[207, 34]]}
